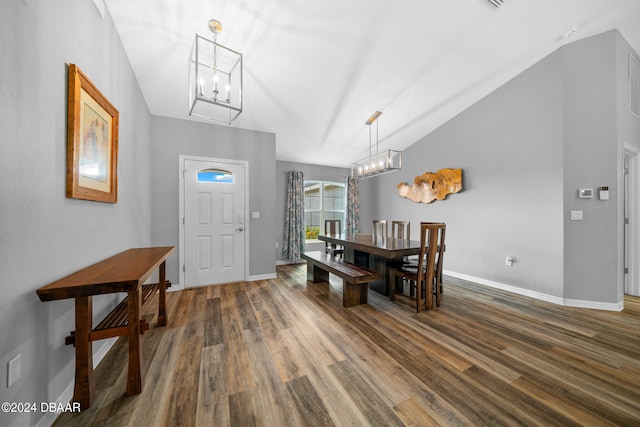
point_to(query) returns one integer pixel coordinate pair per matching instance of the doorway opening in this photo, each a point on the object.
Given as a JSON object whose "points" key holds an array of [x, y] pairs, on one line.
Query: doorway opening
{"points": [[631, 233]]}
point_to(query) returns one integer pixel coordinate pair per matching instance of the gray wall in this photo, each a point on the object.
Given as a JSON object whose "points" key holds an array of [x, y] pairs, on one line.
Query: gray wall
{"points": [[591, 161], [509, 148], [525, 149], [310, 172], [43, 235], [171, 138]]}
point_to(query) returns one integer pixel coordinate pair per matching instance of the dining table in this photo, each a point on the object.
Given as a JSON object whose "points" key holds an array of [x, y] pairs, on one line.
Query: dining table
{"points": [[374, 252]]}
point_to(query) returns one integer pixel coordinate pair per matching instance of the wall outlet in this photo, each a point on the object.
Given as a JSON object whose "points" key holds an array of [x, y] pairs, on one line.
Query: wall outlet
{"points": [[277, 245], [13, 370], [510, 260]]}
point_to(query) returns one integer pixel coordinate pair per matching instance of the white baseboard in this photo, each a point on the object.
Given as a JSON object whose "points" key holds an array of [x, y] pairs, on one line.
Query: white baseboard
{"points": [[249, 279], [286, 262], [50, 417], [609, 306], [175, 287], [539, 295], [262, 277]]}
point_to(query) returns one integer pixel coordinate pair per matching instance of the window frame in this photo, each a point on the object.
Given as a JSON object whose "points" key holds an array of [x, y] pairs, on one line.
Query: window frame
{"points": [[322, 211]]}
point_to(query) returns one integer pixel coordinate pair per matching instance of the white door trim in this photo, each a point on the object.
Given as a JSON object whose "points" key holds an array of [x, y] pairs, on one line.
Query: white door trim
{"points": [[634, 210], [181, 234]]}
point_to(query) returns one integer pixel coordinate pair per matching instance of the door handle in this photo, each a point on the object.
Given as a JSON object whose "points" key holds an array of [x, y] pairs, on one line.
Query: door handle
{"points": [[240, 229]]}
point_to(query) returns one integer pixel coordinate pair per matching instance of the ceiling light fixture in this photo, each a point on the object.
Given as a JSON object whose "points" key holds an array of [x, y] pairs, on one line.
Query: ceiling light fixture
{"points": [[215, 79], [379, 163]]}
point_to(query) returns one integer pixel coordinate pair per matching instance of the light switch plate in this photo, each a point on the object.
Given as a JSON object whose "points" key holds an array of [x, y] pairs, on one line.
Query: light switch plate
{"points": [[13, 370], [255, 215], [576, 215]]}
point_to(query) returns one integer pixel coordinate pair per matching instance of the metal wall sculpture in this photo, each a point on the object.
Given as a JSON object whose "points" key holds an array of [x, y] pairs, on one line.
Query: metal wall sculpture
{"points": [[431, 186]]}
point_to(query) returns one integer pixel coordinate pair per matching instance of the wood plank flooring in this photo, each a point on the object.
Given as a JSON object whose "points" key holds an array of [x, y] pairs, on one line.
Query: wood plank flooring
{"points": [[285, 352]]}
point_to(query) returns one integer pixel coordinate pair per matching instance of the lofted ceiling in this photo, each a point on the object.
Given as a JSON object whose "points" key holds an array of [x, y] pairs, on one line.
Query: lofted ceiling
{"points": [[314, 72]]}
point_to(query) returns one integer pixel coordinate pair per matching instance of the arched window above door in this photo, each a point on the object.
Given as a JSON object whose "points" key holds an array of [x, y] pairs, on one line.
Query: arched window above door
{"points": [[215, 175]]}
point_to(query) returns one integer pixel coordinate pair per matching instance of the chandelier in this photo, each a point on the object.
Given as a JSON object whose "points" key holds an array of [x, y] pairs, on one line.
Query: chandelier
{"points": [[215, 79], [378, 163]]}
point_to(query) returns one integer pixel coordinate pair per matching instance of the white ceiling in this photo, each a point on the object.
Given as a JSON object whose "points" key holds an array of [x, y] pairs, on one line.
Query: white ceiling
{"points": [[315, 71]]}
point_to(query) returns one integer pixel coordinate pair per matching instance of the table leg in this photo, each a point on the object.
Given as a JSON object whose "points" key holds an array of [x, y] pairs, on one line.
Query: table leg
{"points": [[135, 374], [85, 386], [162, 297]]}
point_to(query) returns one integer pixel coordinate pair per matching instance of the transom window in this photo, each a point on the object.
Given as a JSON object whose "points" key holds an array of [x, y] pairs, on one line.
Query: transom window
{"points": [[215, 175], [322, 200]]}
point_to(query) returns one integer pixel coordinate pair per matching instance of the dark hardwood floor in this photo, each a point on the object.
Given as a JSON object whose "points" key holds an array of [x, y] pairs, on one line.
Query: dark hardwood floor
{"points": [[285, 352]]}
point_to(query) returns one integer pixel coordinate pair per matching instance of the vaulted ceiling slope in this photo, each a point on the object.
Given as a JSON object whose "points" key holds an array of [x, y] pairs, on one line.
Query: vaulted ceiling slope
{"points": [[315, 71]]}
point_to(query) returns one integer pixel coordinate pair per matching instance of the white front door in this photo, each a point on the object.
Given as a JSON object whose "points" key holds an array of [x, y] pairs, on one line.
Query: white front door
{"points": [[214, 223]]}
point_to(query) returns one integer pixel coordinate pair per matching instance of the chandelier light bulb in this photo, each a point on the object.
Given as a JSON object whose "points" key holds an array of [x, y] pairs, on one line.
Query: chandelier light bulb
{"points": [[215, 86], [200, 86]]}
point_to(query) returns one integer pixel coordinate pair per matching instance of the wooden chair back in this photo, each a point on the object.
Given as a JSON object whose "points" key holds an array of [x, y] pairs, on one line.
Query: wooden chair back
{"points": [[333, 227], [379, 228], [401, 230], [430, 260]]}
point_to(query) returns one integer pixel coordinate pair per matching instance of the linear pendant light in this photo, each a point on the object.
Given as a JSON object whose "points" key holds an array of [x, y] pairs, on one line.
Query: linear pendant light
{"points": [[378, 163]]}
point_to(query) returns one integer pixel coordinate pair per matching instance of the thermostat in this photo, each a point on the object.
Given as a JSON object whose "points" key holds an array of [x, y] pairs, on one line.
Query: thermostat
{"points": [[604, 193], [585, 193]]}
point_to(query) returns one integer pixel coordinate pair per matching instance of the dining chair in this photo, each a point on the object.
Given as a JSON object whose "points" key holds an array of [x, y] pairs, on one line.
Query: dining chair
{"points": [[379, 228], [427, 274], [401, 229], [333, 227], [438, 289]]}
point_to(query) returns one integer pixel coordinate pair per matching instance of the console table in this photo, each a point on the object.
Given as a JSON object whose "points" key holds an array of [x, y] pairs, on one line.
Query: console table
{"points": [[124, 272]]}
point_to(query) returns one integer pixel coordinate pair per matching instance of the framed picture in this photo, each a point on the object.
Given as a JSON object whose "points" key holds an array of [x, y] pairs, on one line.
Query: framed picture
{"points": [[92, 142]]}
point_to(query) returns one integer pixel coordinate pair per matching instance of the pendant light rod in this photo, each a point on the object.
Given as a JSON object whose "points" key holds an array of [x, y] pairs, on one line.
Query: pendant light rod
{"points": [[369, 122], [377, 139]]}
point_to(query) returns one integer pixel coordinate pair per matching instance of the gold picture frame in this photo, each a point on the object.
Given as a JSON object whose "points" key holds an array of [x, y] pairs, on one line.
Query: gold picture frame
{"points": [[92, 141]]}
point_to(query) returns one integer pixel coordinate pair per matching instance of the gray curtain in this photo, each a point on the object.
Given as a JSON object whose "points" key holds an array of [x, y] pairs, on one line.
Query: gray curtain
{"points": [[353, 207], [294, 235]]}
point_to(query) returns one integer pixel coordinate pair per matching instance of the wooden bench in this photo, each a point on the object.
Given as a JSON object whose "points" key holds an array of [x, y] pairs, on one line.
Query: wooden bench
{"points": [[124, 272], [355, 278], [115, 323]]}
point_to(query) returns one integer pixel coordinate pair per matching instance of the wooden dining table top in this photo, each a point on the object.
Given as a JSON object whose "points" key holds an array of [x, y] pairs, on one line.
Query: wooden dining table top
{"points": [[386, 247]]}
